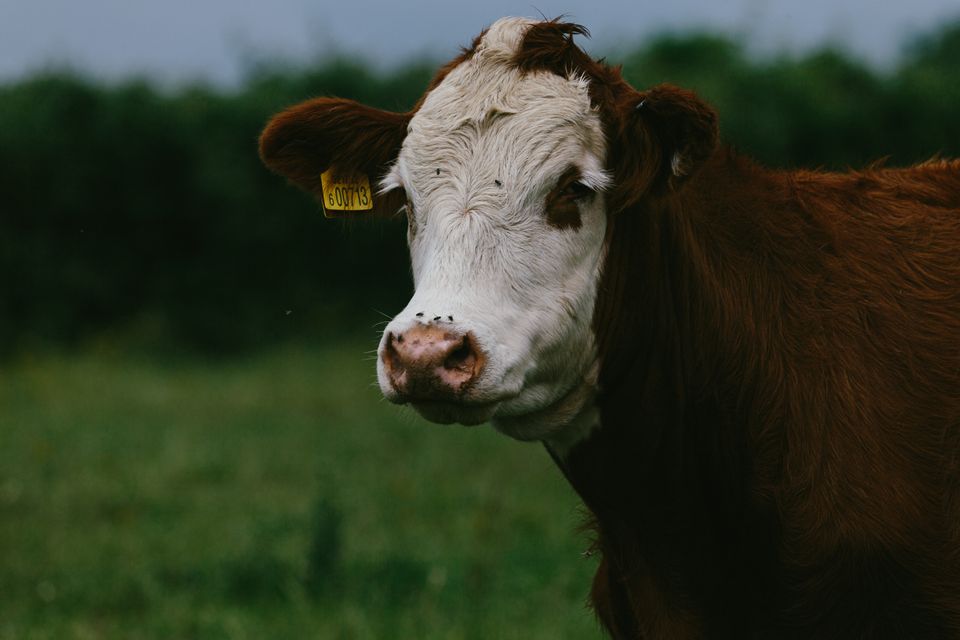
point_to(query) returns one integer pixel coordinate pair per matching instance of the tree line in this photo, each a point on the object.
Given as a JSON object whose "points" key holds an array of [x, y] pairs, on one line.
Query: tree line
{"points": [[130, 212]]}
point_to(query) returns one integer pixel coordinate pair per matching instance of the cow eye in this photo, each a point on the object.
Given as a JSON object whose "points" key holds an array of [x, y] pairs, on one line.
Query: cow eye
{"points": [[577, 191]]}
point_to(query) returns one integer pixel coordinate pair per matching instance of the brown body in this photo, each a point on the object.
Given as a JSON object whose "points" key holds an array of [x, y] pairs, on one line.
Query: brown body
{"points": [[780, 397]]}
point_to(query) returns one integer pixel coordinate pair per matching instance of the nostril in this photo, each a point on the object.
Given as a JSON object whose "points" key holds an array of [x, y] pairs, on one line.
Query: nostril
{"points": [[430, 362], [390, 351], [462, 357]]}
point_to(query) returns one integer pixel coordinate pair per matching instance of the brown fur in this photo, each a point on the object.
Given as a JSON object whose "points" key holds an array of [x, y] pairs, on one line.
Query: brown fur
{"points": [[644, 129], [307, 139], [781, 405], [780, 385], [779, 451], [561, 206]]}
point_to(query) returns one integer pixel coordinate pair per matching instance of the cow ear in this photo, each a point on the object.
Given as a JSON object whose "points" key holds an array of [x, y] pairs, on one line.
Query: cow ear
{"points": [[348, 140], [664, 136]]}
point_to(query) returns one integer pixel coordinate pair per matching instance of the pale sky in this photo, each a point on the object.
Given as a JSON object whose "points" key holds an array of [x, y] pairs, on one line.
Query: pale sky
{"points": [[182, 40]]}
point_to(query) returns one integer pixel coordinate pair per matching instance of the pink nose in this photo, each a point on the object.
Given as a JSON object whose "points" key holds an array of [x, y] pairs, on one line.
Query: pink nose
{"points": [[428, 362]]}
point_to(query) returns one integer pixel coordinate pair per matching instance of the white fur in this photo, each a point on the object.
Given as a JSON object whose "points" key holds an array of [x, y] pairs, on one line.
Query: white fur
{"points": [[486, 255]]}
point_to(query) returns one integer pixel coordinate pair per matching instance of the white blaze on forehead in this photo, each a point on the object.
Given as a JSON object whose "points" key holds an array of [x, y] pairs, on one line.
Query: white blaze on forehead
{"points": [[487, 117], [505, 36], [482, 153]]}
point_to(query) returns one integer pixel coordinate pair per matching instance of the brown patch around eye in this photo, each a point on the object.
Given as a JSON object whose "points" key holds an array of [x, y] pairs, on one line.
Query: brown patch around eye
{"points": [[562, 207]]}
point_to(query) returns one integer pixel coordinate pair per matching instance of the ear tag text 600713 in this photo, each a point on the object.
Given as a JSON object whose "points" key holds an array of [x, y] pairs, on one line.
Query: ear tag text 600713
{"points": [[343, 194]]}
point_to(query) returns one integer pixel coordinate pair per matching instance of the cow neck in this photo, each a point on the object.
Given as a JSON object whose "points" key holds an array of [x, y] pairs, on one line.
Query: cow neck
{"points": [[667, 472], [641, 380]]}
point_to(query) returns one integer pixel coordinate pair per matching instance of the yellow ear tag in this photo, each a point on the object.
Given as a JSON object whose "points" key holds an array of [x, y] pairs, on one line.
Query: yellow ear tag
{"points": [[345, 193]]}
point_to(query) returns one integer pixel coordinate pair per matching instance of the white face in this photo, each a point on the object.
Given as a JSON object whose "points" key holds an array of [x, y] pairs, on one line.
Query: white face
{"points": [[481, 157]]}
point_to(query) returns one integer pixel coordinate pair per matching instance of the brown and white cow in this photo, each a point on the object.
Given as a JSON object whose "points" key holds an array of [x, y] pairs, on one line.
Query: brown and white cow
{"points": [[751, 377]]}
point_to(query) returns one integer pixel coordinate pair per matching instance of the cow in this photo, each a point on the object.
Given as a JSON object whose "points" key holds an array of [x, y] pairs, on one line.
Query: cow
{"points": [[750, 376]]}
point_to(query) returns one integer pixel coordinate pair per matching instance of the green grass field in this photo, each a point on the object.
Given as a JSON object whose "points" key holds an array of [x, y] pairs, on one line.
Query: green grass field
{"points": [[275, 496]]}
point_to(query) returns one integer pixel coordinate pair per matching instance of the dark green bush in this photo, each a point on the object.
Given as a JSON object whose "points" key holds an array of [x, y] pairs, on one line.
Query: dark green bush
{"points": [[129, 210]]}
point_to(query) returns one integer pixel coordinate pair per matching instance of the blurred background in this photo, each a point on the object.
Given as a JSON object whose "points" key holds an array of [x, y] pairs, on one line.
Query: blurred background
{"points": [[191, 441]]}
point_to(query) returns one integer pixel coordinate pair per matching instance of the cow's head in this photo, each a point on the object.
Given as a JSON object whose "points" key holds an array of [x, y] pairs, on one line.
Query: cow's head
{"points": [[509, 170]]}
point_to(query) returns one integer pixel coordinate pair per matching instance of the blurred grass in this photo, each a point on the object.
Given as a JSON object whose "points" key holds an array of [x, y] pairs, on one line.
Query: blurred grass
{"points": [[271, 496]]}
